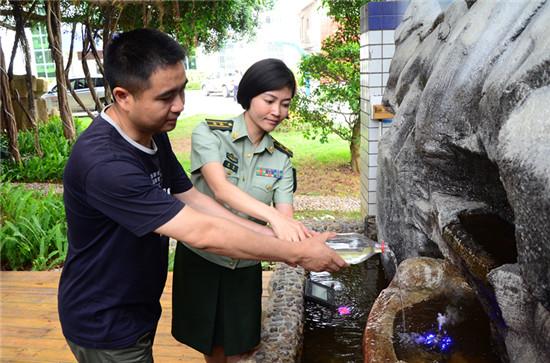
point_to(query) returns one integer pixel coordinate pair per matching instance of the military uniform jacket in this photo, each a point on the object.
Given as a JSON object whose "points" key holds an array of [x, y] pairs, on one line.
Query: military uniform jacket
{"points": [[264, 172]]}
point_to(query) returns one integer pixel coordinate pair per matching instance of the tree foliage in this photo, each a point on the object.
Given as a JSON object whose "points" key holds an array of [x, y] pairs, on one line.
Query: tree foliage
{"points": [[210, 23], [333, 105]]}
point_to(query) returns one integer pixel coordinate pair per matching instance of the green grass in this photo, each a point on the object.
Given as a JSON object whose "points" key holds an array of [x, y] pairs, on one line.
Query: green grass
{"points": [[183, 131], [84, 121], [306, 151], [185, 125]]}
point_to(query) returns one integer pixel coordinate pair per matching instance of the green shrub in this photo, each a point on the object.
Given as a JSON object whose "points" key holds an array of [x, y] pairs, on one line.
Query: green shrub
{"points": [[34, 168], [32, 229]]}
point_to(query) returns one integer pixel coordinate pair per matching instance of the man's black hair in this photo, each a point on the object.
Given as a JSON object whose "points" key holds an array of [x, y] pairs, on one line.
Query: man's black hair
{"points": [[265, 75], [132, 57]]}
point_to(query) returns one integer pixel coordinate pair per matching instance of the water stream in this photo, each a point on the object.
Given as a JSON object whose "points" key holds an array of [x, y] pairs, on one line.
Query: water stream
{"points": [[335, 335]]}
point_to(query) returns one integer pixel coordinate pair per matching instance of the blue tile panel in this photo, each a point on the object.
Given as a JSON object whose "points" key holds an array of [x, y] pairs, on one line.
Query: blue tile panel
{"points": [[385, 15]]}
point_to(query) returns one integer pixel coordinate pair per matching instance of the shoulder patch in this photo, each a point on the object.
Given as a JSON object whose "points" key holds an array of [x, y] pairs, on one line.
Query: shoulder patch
{"points": [[223, 125], [282, 148]]}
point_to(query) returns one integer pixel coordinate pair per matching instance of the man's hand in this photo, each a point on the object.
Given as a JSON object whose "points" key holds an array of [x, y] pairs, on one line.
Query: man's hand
{"points": [[316, 255]]}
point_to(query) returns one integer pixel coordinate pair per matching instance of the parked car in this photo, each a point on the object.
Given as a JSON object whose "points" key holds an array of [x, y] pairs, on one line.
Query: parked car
{"points": [[81, 88], [220, 83]]}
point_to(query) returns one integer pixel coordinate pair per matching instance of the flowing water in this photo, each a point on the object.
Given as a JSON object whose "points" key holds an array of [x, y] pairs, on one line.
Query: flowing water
{"points": [[335, 335]]}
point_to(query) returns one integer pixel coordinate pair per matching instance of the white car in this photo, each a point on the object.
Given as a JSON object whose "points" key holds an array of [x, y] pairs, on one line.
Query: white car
{"points": [[220, 83], [80, 86]]}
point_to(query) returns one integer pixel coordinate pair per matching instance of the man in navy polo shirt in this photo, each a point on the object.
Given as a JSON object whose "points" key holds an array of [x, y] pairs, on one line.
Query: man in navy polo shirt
{"points": [[125, 193]]}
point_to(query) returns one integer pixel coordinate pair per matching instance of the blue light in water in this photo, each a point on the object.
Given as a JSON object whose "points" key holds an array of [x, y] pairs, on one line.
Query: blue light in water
{"points": [[445, 343], [440, 342]]}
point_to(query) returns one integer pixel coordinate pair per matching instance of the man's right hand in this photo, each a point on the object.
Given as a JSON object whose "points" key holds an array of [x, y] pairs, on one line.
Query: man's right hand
{"points": [[316, 255]]}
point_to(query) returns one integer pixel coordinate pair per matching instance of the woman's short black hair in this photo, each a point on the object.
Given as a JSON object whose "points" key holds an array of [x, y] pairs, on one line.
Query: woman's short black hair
{"points": [[265, 75], [132, 57]]}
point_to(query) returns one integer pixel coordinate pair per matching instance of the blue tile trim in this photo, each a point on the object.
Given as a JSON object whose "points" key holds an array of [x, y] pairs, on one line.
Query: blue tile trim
{"points": [[385, 15], [375, 23], [376, 8]]}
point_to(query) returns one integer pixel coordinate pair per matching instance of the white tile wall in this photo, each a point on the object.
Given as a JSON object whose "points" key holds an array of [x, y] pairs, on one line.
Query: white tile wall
{"points": [[377, 49], [364, 92], [375, 80], [376, 100], [364, 52], [364, 78], [373, 160], [372, 184], [372, 201], [374, 37], [385, 77], [388, 50], [374, 66], [386, 65], [372, 172], [373, 147], [376, 92], [387, 36], [364, 38]]}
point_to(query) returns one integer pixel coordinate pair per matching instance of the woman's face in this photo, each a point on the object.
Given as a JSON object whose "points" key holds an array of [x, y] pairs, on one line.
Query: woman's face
{"points": [[268, 109]]}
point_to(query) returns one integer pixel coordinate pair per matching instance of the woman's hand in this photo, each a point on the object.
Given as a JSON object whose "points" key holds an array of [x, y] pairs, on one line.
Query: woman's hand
{"points": [[289, 229]]}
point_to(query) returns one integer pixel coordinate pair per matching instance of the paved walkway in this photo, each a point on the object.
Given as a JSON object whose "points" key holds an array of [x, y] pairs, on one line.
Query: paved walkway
{"points": [[29, 324]]}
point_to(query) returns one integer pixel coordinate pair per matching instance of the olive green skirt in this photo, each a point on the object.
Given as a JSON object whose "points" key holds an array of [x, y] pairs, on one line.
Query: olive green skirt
{"points": [[214, 305]]}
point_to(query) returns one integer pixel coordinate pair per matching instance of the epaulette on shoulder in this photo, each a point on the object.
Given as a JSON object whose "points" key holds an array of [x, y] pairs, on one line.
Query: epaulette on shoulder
{"points": [[223, 125], [282, 148]]}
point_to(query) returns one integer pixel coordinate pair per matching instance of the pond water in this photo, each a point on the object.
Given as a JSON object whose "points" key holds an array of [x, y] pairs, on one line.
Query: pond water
{"points": [[335, 335], [463, 324]]}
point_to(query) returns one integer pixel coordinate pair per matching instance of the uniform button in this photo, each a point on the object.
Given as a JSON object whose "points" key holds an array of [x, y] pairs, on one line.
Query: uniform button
{"points": [[268, 187], [249, 155], [242, 178]]}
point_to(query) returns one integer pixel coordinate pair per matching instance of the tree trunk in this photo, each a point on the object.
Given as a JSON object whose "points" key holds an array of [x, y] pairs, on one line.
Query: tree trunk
{"points": [[108, 28], [67, 67], [54, 37], [160, 7], [6, 112], [86, 69], [355, 145], [30, 110]]}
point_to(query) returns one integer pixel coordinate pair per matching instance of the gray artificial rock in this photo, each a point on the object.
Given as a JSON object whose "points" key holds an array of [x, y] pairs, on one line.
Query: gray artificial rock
{"points": [[470, 88]]}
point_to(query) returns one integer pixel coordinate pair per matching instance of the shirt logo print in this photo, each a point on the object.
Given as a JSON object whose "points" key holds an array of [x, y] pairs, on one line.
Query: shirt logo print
{"points": [[156, 177]]}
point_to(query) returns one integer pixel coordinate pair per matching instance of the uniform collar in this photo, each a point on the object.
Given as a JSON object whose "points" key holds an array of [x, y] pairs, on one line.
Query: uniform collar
{"points": [[240, 131]]}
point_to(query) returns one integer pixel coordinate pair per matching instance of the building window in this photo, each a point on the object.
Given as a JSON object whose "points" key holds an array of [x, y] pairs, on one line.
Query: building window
{"points": [[45, 66]]}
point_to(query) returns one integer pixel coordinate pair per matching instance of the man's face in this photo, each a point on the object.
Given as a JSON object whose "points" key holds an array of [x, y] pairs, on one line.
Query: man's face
{"points": [[156, 109]]}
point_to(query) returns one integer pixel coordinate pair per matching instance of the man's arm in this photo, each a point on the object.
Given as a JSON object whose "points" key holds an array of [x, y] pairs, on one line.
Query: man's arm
{"points": [[224, 237], [204, 204]]}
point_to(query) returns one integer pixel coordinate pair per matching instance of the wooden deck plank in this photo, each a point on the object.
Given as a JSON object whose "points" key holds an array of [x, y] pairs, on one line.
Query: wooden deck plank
{"points": [[30, 330]]}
